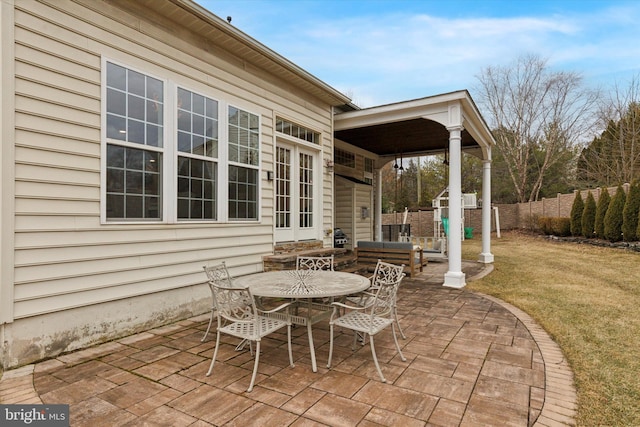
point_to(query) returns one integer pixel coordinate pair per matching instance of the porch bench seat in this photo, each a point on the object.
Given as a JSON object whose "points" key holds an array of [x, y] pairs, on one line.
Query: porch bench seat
{"points": [[369, 252], [432, 248]]}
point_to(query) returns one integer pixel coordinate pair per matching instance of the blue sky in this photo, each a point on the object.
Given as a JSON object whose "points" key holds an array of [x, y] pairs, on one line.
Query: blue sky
{"points": [[383, 51]]}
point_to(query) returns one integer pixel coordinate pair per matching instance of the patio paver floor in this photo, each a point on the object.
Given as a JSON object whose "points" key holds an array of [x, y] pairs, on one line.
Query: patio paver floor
{"points": [[472, 360]]}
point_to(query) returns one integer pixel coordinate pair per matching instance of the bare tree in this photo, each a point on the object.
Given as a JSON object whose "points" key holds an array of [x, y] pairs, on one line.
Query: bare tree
{"points": [[614, 156], [537, 116]]}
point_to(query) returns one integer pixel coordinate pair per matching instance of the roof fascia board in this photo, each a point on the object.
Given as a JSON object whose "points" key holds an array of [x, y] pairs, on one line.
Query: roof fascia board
{"points": [[434, 108], [252, 43]]}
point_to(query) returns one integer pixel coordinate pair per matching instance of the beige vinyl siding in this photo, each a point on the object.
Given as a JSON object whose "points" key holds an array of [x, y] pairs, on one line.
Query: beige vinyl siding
{"points": [[7, 164], [363, 198], [64, 256], [327, 189], [350, 198], [344, 209]]}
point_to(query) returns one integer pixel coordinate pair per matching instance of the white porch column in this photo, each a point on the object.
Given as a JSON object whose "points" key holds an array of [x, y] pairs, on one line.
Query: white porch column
{"points": [[377, 226], [486, 256], [455, 277]]}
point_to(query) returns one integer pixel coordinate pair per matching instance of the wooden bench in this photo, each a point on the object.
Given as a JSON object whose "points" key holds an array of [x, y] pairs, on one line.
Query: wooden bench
{"points": [[368, 253]]}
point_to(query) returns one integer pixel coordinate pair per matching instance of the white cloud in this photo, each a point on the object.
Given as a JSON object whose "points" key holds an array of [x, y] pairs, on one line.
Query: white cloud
{"points": [[382, 57]]}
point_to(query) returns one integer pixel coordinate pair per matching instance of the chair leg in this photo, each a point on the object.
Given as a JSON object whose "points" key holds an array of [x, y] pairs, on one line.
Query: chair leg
{"points": [[314, 366], [208, 327], [255, 367], [215, 353], [395, 314], [355, 340], [289, 344], [375, 359], [330, 345], [395, 339]]}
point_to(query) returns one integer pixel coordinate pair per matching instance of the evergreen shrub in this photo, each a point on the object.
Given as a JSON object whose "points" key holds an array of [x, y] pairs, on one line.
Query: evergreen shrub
{"points": [[576, 215], [630, 214], [613, 217], [589, 216], [601, 211]]}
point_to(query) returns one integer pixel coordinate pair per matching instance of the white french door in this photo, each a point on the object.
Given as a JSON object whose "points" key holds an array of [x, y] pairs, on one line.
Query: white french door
{"points": [[297, 186]]}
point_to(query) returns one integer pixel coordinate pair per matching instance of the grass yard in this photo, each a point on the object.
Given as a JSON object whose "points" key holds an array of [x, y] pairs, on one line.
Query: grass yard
{"points": [[588, 299]]}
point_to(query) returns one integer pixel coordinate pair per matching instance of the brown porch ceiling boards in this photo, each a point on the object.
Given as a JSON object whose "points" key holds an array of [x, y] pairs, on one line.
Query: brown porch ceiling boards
{"points": [[411, 137]]}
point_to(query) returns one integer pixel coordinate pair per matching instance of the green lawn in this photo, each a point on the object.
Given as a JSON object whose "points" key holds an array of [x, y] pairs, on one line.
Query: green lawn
{"points": [[588, 299]]}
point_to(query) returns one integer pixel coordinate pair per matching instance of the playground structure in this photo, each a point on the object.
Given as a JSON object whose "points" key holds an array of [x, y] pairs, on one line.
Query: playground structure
{"points": [[436, 247], [441, 213]]}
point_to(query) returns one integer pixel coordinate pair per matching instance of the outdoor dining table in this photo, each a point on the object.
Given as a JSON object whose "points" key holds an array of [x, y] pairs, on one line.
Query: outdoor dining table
{"points": [[302, 286]]}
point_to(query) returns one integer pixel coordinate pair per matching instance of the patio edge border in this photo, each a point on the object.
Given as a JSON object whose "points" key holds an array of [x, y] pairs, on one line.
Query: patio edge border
{"points": [[560, 397]]}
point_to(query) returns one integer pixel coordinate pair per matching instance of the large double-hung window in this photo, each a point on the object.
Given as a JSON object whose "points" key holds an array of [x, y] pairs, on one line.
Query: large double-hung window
{"points": [[244, 157], [135, 111], [197, 156], [171, 153]]}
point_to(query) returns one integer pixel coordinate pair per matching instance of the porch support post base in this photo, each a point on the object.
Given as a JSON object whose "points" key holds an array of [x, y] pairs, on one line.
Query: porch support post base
{"points": [[486, 258], [454, 279]]}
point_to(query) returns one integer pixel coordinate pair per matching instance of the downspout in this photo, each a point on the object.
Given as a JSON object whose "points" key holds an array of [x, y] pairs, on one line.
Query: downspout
{"points": [[378, 208]]}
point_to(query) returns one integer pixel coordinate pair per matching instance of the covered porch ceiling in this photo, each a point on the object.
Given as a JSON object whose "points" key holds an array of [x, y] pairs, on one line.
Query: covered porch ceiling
{"points": [[416, 128]]}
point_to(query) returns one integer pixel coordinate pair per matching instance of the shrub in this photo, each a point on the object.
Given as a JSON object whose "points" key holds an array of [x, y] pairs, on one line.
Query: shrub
{"points": [[589, 216], [630, 214], [576, 215], [532, 221], [601, 211], [561, 226], [544, 224], [613, 217]]}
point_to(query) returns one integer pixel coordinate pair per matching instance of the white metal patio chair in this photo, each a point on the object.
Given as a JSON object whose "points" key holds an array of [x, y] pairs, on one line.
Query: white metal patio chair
{"points": [[374, 315], [238, 316], [314, 262], [216, 274], [384, 272]]}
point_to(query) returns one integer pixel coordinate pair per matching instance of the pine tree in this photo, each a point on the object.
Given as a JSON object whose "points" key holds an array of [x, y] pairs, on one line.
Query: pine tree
{"points": [[589, 216], [613, 217], [601, 211], [630, 214], [576, 215]]}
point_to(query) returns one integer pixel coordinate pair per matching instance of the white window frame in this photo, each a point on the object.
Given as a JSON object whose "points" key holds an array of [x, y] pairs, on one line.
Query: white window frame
{"points": [[298, 145], [170, 153], [215, 160], [164, 151]]}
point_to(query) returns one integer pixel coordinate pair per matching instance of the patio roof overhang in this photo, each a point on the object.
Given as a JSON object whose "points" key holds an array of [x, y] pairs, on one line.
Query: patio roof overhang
{"points": [[416, 128]]}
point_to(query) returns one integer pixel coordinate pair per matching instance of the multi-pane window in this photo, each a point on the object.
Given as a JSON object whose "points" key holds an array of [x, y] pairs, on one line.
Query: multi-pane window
{"points": [[175, 165], [244, 157], [344, 158], [297, 131], [283, 187], [197, 137], [368, 170], [306, 190], [135, 110], [196, 188]]}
